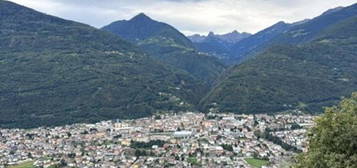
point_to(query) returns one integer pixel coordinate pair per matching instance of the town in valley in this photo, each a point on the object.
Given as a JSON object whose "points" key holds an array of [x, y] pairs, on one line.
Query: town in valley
{"points": [[164, 140]]}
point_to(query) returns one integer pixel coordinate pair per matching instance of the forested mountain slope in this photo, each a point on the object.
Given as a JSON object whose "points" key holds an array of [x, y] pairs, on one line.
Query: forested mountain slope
{"points": [[164, 43], [295, 33], [56, 72], [305, 77]]}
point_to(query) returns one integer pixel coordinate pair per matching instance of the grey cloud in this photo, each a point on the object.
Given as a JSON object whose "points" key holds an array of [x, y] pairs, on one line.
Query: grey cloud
{"points": [[189, 16]]}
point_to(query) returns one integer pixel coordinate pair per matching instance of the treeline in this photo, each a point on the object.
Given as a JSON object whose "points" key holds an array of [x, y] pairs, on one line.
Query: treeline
{"points": [[293, 126], [227, 147], [332, 141], [276, 140], [146, 145]]}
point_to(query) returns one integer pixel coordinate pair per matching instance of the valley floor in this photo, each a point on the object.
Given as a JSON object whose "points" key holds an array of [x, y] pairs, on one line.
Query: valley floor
{"points": [[179, 140]]}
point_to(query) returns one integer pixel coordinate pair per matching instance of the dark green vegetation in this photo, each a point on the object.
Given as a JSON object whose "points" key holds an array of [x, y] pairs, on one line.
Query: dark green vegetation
{"points": [[311, 29], [56, 72], [256, 163], [193, 161], [140, 152], [28, 164], [332, 141], [146, 145], [254, 44], [227, 147], [166, 44], [284, 33], [305, 77], [143, 148], [141, 27], [276, 140]]}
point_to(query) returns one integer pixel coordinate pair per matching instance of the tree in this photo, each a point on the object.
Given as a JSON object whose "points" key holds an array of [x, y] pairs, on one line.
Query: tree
{"points": [[139, 153], [227, 147], [333, 140]]}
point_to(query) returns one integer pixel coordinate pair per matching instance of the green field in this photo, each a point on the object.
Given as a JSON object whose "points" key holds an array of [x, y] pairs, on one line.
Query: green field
{"points": [[256, 163], [28, 164]]}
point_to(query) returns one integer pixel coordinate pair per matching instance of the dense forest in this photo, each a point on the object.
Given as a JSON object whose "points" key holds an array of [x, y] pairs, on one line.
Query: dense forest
{"points": [[305, 77], [332, 141], [56, 72], [166, 44]]}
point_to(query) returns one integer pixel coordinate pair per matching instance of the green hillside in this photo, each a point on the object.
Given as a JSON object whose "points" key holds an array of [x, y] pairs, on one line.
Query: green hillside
{"points": [[202, 66], [332, 140], [142, 27], [166, 44], [56, 72], [295, 33], [305, 77]]}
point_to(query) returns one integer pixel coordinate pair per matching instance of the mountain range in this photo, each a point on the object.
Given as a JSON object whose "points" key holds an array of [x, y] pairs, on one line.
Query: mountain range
{"points": [[217, 45], [55, 71], [229, 38], [166, 44], [279, 33], [310, 66]]}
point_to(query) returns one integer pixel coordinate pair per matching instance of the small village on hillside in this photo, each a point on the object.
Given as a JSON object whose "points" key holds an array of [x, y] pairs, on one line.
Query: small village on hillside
{"points": [[179, 140]]}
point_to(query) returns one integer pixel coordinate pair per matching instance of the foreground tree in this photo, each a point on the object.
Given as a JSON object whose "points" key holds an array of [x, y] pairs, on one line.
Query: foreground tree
{"points": [[333, 141]]}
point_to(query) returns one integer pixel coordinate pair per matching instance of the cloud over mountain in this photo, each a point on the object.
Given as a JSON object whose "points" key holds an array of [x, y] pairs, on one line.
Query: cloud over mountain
{"points": [[189, 16]]}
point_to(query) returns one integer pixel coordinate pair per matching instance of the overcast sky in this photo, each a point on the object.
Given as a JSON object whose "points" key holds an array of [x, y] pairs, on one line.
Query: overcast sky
{"points": [[189, 16]]}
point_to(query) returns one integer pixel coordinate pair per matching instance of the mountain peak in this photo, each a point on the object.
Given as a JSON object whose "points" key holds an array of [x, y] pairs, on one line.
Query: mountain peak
{"points": [[142, 27], [129, 63], [280, 23], [210, 34], [141, 17], [235, 32], [332, 10]]}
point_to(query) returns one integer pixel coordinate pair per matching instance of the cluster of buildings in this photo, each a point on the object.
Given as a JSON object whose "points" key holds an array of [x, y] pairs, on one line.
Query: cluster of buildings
{"points": [[179, 140]]}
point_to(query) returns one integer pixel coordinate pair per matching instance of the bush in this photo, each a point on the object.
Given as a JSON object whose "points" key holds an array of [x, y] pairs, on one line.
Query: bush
{"points": [[333, 141]]}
